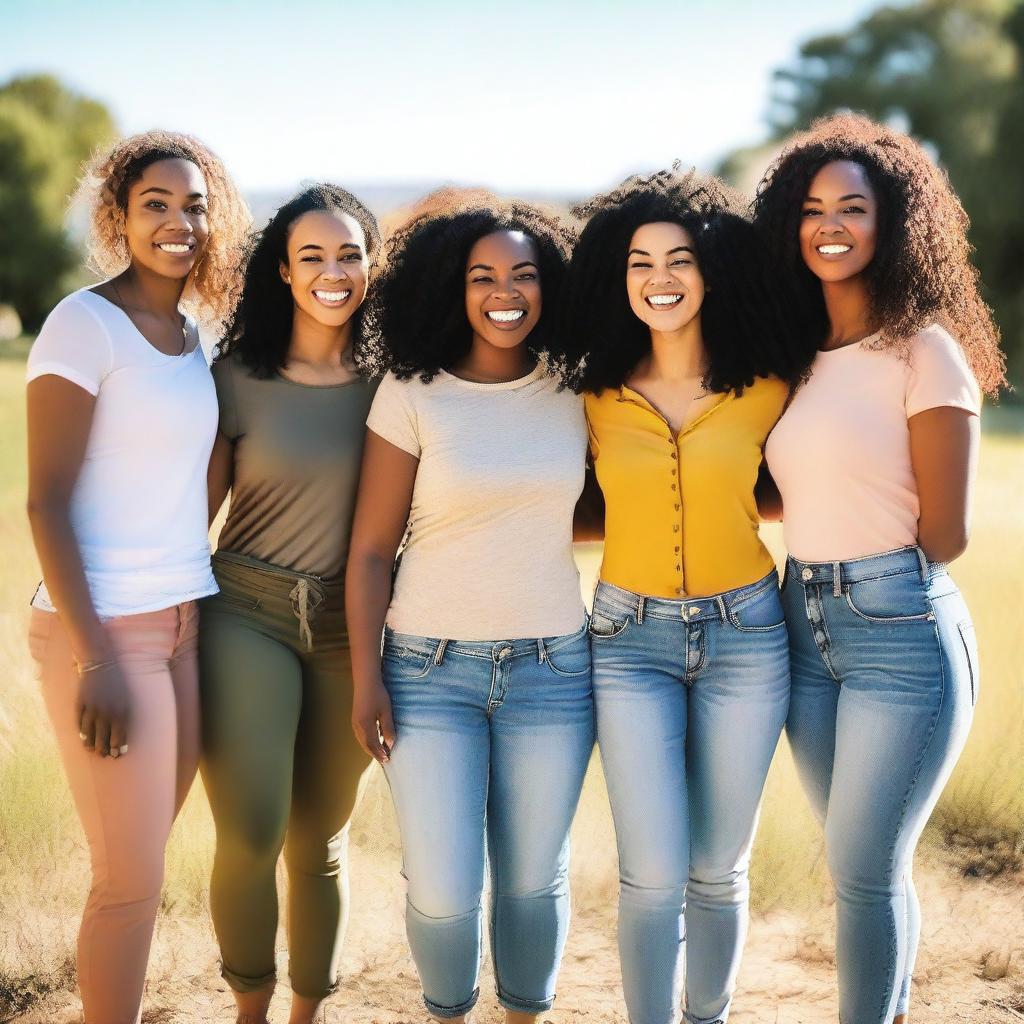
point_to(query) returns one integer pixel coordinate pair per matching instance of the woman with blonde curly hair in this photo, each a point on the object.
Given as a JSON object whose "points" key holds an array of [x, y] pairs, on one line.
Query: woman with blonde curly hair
{"points": [[122, 415], [874, 459]]}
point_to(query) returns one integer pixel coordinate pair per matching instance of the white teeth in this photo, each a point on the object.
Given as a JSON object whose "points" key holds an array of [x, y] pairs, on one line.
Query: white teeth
{"points": [[331, 296], [506, 316], [663, 300], [174, 247], [833, 250]]}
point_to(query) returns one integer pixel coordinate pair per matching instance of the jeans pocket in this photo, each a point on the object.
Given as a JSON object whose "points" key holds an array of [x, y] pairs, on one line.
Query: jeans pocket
{"points": [[405, 663], [607, 623], [969, 639], [760, 612], [570, 657], [898, 598]]}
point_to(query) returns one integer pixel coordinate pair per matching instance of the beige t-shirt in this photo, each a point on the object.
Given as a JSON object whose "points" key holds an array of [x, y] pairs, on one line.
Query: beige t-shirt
{"points": [[488, 555], [840, 454]]}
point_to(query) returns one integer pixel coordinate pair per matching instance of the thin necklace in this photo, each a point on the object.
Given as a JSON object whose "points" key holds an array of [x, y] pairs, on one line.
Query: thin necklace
{"points": [[124, 309]]}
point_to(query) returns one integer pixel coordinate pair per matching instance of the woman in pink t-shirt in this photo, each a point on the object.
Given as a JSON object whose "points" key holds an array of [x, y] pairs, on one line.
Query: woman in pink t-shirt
{"points": [[874, 460]]}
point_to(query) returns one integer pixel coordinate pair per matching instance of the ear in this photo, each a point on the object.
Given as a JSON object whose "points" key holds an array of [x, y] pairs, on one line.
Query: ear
{"points": [[283, 270]]}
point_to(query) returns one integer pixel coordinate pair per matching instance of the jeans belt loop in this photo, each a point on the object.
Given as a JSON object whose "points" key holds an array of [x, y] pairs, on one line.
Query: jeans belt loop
{"points": [[923, 562], [837, 587], [720, 601], [542, 651], [439, 653], [640, 610]]}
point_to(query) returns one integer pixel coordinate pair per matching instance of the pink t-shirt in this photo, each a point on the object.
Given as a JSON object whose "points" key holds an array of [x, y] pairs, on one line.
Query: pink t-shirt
{"points": [[840, 454]]}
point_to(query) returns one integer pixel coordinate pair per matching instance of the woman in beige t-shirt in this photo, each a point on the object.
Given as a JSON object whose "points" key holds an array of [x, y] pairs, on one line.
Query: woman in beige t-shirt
{"points": [[481, 708], [874, 460]]}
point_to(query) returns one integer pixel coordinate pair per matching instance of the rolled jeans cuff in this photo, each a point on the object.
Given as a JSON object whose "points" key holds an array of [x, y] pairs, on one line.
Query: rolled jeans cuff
{"points": [[719, 1018], [240, 983], [445, 1012], [516, 1004]]}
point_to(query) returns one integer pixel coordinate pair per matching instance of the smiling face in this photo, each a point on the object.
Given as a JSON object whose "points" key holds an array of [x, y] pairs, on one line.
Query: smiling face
{"points": [[503, 294], [839, 223], [663, 282], [165, 218], [327, 268]]}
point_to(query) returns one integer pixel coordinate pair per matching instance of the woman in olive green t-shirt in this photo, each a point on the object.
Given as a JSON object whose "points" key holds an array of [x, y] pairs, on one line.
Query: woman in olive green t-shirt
{"points": [[280, 763]]}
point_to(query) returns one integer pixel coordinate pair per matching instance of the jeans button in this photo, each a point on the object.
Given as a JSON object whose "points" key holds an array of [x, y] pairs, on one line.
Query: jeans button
{"points": [[806, 574]]}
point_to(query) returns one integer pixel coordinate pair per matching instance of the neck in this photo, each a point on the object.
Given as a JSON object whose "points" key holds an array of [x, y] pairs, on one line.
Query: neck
{"points": [[847, 305], [488, 364], [151, 292], [678, 356], [317, 343]]}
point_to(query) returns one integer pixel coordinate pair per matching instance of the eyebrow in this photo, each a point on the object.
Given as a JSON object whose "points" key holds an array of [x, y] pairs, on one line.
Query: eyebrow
{"points": [[518, 266], [168, 192], [842, 199], [344, 245], [678, 248]]}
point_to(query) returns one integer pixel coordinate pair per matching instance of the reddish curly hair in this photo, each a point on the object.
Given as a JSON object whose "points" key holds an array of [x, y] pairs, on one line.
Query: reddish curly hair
{"points": [[214, 284], [921, 272]]}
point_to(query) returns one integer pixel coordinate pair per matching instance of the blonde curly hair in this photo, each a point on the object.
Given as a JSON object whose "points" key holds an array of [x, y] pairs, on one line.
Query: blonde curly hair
{"points": [[214, 284]]}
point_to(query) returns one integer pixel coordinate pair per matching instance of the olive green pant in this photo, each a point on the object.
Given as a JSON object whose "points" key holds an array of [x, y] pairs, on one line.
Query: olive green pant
{"points": [[281, 767]]}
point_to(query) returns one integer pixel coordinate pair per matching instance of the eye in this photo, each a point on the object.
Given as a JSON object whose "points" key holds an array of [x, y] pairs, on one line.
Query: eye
{"points": [[680, 261], [353, 257], [528, 275], [310, 259], [854, 209], [198, 209], [811, 213], [639, 266], [155, 204], [481, 280]]}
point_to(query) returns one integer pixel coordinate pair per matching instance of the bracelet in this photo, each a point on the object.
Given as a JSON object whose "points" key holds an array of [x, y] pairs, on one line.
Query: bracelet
{"points": [[94, 666]]}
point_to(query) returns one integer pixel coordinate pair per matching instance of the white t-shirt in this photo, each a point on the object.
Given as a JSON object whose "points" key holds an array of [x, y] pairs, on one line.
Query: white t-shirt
{"points": [[840, 454], [138, 509], [489, 550]]}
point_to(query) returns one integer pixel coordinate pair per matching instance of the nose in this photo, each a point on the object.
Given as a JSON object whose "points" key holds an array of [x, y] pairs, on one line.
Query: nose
{"points": [[334, 271], [505, 288]]}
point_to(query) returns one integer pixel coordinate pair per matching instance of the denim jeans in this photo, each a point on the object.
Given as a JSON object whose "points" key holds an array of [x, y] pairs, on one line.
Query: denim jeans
{"points": [[691, 697], [492, 744], [885, 676]]}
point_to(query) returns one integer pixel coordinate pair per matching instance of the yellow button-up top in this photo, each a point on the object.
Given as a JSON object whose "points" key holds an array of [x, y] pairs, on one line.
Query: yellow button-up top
{"points": [[680, 514]]}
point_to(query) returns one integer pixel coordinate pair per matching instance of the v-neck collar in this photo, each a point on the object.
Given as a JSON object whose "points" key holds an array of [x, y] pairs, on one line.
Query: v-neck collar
{"points": [[628, 394]]}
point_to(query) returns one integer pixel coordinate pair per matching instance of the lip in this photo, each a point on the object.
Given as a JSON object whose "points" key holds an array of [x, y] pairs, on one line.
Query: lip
{"points": [[662, 307], [506, 325], [189, 250], [320, 294]]}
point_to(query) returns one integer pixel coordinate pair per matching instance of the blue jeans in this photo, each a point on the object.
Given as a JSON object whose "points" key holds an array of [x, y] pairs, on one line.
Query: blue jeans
{"points": [[493, 742], [885, 676], [691, 697]]}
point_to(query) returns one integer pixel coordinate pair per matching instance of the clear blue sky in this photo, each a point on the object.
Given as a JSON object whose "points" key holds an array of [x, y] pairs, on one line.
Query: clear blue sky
{"points": [[540, 96]]}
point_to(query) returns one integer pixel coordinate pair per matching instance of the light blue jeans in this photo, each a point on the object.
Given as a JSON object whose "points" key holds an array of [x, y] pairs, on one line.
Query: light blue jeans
{"points": [[885, 676], [493, 742], [691, 697]]}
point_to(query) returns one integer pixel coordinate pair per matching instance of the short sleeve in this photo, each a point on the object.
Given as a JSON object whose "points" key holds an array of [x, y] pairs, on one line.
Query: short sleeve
{"points": [[72, 344], [939, 375], [224, 380], [393, 415]]}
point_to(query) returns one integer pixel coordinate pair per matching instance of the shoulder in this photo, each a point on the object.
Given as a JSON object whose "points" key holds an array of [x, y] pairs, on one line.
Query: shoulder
{"points": [[75, 343], [767, 392], [939, 373], [601, 404]]}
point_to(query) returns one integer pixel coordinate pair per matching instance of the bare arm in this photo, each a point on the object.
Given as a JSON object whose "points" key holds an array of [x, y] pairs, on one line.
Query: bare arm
{"points": [[766, 494], [588, 517], [944, 455], [219, 474], [59, 420], [382, 514]]}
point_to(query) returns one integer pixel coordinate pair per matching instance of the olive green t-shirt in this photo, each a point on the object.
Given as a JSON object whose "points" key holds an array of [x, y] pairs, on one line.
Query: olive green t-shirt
{"points": [[297, 453]]}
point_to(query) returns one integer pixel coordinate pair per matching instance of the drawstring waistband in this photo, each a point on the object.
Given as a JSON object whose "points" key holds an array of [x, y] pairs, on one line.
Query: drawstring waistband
{"points": [[305, 603]]}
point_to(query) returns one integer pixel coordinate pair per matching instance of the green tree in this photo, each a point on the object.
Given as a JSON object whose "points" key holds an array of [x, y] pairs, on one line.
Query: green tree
{"points": [[948, 72], [46, 131]]}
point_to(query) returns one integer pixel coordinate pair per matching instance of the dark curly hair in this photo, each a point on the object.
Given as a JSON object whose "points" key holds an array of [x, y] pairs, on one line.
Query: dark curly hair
{"points": [[921, 272], [742, 325], [419, 307], [259, 329]]}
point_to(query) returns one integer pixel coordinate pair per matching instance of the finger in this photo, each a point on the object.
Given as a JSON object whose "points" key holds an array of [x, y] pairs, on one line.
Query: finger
{"points": [[102, 735], [118, 737], [370, 743], [87, 728], [386, 725]]}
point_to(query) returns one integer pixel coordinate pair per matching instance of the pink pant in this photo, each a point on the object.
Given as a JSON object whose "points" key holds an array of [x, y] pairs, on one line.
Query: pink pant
{"points": [[127, 805]]}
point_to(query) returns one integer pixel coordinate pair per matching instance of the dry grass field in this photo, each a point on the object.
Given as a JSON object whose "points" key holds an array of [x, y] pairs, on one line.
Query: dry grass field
{"points": [[970, 869]]}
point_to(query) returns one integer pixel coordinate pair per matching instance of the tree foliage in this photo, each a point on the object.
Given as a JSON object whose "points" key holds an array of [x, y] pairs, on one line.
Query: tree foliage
{"points": [[948, 72], [46, 132]]}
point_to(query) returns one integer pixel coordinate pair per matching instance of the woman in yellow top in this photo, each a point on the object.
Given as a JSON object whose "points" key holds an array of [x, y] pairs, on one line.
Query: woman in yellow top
{"points": [[685, 372]]}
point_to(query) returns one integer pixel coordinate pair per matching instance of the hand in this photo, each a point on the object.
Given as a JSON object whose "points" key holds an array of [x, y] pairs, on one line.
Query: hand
{"points": [[372, 722], [103, 707]]}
